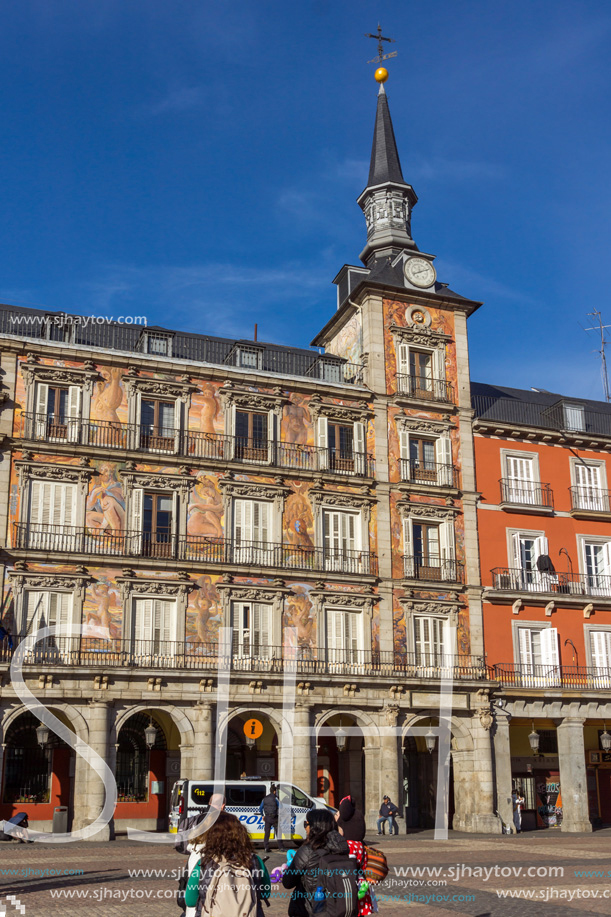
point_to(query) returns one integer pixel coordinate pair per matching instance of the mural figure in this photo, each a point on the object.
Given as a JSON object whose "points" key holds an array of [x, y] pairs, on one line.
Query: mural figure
{"points": [[108, 396], [105, 504], [210, 409], [205, 601], [100, 623], [300, 615], [205, 512], [296, 421], [298, 519]]}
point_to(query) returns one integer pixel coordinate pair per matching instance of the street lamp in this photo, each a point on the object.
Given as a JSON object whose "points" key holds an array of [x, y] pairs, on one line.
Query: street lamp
{"points": [[430, 738], [42, 734], [150, 735], [605, 739], [250, 741], [341, 737], [533, 739]]}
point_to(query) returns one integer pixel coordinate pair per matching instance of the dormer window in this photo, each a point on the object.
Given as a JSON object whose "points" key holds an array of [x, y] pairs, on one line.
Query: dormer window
{"points": [[328, 368], [60, 328], [573, 416], [157, 343], [249, 357]]}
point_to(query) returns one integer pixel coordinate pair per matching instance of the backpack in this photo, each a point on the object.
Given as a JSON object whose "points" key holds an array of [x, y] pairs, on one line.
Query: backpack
{"points": [[263, 881], [377, 867], [227, 891], [338, 875]]}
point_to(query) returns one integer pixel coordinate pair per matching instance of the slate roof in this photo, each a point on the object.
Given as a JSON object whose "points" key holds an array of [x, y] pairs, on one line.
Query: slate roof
{"points": [[385, 165], [548, 410]]}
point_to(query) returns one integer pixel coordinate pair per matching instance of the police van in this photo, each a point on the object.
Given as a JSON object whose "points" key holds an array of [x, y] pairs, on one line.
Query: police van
{"points": [[243, 798]]}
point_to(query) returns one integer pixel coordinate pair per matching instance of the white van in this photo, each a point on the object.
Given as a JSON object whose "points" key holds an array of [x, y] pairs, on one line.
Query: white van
{"points": [[243, 798]]}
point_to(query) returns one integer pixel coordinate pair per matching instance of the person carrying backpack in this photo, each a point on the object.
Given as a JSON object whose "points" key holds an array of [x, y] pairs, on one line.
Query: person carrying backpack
{"points": [[324, 877], [228, 879]]}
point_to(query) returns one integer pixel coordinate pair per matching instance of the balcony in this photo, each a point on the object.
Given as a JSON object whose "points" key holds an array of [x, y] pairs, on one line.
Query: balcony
{"points": [[433, 569], [191, 444], [428, 474], [590, 503], [516, 675], [512, 580], [423, 389], [198, 657], [58, 539], [526, 497]]}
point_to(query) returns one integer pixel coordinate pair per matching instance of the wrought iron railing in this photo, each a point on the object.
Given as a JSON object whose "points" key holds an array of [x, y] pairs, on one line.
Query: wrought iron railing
{"points": [[431, 473], [63, 539], [425, 389], [119, 653], [193, 444], [590, 499], [433, 569], [512, 579], [519, 675], [526, 493]]}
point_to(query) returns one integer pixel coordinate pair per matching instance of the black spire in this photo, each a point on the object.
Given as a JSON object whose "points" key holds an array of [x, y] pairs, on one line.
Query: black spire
{"points": [[385, 165]]}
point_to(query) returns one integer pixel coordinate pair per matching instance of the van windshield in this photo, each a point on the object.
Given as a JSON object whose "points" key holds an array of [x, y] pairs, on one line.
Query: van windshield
{"points": [[290, 795], [177, 791]]}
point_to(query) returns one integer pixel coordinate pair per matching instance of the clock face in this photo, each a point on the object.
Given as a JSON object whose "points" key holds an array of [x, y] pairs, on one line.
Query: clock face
{"points": [[420, 272]]}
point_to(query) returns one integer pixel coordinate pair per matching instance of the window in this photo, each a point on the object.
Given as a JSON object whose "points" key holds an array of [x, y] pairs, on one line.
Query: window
{"points": [[428, 641], [429, 550], [154, 627], [538, 656], [156, 342], [426, 461], [249, 357], [251, 436], [341, 446], [49, 609], [419, 370], [252, 629], [290, 795], [344, 637], [532, 565], [251, 532], [51, 517], [589, 492], [153, 522], [57, 412], [574, 417], [341, 540], [159, 425], [522, 485], [600, 653], [597, 567]]}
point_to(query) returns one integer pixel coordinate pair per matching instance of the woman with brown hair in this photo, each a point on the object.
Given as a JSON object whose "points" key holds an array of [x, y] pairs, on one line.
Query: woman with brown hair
{"points": [[229, 881]]}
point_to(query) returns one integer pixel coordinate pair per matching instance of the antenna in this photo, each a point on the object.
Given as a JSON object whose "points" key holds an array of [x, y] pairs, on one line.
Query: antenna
{"points": [[380, 38], [597, 317]]}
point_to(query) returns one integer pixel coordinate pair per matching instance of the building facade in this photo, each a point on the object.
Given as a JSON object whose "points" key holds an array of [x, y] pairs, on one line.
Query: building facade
{"points": [[545, 546]]}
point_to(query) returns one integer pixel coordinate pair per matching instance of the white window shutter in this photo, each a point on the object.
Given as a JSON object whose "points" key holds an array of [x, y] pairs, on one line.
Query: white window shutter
{"points": [[525, 648], [404, 444], [178, 406], [260, 523], [359, 448], [606, 571], [600, 645], [42, 400], [323, 442], [332, 531], [137, 500], [58, 615], [143, 623], [443, 457], [517, 551], [408, 561], [262, 628], [36, 608], [74, 412], [349, 532], [439, 363], [36, 501], [549, 646], [541, 546], [403, 360]]}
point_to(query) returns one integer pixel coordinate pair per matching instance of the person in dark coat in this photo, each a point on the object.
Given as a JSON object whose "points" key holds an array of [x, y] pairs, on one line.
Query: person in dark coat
{"points": [[350, 820], [269, 809], [303, 875]]}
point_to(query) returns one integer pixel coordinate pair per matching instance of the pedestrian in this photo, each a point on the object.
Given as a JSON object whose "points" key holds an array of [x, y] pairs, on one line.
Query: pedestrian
{"points": [[269, 809], [388, 813], [350, 820], [323, 871], [225, 877], [517, 802]]}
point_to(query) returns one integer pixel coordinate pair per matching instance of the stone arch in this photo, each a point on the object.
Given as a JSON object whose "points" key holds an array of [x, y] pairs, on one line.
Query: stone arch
{"points": [[363, 720], [461, 734], [76, 718], [177, 715], [275, 717]]}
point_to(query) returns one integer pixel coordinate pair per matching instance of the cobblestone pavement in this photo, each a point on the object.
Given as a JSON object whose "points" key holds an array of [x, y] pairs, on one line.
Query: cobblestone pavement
{"points": [[464, 875]]}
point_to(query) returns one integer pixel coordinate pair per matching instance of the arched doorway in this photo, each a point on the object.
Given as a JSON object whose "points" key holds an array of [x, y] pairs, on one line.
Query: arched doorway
{"points": [[141, 770], [35, 779], [255, 758], [341, 761], [420, 774]]}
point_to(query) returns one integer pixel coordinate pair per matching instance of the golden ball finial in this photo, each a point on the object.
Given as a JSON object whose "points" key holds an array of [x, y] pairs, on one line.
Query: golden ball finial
{"points": [[381, 75]]}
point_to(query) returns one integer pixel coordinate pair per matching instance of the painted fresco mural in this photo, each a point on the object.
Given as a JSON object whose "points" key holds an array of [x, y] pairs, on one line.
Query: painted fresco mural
{"points": [[205, 510], [348, 342], [296, 424]]}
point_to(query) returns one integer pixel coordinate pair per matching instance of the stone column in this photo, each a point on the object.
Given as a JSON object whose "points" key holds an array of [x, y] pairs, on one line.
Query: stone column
{"points": [[502, 766], [372, 799], [98, 715], [303, 749], [391, 761], [465, 790], [573, 785], [201, 763], [484, 819]]}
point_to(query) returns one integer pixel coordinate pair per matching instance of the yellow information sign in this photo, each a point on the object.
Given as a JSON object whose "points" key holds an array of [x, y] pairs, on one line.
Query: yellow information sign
{"points": [[253, 729]]}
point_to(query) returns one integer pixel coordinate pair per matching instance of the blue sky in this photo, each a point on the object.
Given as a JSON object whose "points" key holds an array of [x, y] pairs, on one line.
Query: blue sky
{"points": [[198, 162]]}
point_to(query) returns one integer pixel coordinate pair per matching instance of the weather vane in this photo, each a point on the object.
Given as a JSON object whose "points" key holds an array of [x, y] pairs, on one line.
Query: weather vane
{"points": [[380, 38]]}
